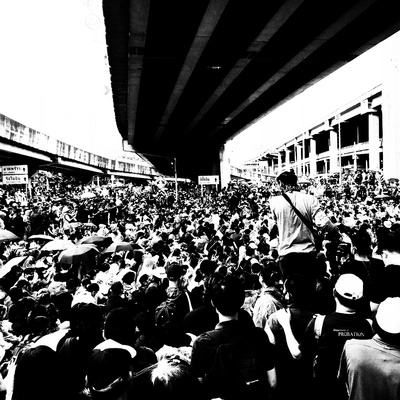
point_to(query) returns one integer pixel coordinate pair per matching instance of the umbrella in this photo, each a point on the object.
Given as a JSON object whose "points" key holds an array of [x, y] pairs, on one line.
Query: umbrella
{"points": [[6, 236], [89, 225], [57, 245], [40, 237], [382, 196], [75, 224], [391, 180], [77, 253], [118, 246], [97, 240], [88, 195], [10, 264]]}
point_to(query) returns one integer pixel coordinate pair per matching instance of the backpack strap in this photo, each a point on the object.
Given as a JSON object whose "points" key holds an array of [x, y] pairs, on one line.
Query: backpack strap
{"points": [[319, 321]]}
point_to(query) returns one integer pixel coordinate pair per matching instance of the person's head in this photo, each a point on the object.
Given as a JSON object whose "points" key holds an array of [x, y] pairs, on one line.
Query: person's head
{"points": [[207, 267], [86, 320], [389, 244], [38, 374], [173, 379], [287, 179], [269, 274], [349, 290], [226, 293], [109, 373], [129, 278], [299, 289], [15, 293], [120, 326], [116, 288], [387, 321], [174, 271]]}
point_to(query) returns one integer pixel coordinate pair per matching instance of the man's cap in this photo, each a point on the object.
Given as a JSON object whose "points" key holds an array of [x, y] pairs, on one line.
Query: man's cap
{"points": [[112, 344], [349, 286], [388, 315], [108, 366]]}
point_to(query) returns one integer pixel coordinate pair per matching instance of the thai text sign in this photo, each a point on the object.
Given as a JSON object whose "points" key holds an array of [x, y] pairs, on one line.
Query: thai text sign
{"points": [[14, 174], [15, 170], [15, 179], [208, 180]]}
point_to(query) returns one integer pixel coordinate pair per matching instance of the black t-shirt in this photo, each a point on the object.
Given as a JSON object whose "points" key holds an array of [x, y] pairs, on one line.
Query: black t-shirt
{"points": [[206, 345], [337, 328]]}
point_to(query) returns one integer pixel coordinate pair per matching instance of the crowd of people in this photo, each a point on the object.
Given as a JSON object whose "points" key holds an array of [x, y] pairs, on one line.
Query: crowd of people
{"points": [[262, 290]]}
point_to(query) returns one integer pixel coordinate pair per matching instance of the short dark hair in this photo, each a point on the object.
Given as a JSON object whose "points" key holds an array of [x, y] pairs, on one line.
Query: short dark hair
{"points": [[287, 178], [270, 273], [390, 241], [301, 288], [120, 325], [227, 293]]}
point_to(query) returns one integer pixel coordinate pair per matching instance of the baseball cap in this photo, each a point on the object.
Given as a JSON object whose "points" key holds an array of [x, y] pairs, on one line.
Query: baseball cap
{"points": [[388, 316], [349, 286], [112, 344]]}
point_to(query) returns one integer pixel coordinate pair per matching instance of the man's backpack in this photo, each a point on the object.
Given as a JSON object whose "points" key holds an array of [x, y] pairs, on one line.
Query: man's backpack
{"points": [[319, 321], [165, 312], [237, 372], [174, 308]]}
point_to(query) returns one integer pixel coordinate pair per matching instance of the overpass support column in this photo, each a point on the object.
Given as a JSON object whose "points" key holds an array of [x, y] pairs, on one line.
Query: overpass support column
{"points": [[373, 132], [225, 166], [391, 110], [299, 160], [279, 162], [313, 157], [333, 152], [287, 159]]}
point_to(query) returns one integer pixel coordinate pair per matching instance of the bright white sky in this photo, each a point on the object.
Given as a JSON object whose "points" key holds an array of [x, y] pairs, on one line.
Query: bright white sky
{"points": [[54, 78], [53, 72]]}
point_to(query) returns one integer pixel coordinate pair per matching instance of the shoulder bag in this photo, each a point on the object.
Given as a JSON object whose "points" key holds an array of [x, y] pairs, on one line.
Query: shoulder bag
{"points": [[306, 222]]}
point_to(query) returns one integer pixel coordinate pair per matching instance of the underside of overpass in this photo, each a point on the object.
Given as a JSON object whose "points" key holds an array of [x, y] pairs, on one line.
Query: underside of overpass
{"points": [[187, 75]]}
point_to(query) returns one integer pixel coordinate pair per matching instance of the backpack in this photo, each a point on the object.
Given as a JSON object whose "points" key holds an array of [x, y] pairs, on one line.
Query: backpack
{"points": [[167, 311], [236, 372]]}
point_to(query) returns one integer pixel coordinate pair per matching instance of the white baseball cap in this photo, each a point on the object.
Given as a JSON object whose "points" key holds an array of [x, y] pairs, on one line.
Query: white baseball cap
{"points": [[350, 287]]}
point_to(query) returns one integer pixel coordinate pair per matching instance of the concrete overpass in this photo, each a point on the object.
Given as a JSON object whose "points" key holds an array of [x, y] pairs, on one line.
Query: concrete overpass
{"points": [[189, 75], [22, 145]]}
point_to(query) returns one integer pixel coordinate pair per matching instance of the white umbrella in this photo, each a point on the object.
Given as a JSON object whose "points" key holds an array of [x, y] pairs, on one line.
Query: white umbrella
{"points": [[6, 236], [118, 246], [57, 245], [88, 195], [10, 264], [40, 237]]}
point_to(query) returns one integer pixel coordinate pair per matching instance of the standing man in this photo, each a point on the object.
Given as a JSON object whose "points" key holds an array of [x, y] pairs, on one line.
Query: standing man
{"points": [[326, 335], [297, 248], [371, 368], [235, 360]]}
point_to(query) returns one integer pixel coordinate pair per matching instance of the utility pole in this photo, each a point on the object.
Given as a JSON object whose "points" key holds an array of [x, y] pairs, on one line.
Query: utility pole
{"points": [[176, 180]]}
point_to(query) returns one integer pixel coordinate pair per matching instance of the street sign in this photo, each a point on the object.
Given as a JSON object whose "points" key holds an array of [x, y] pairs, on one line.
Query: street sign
{"points": [[208, 179], [14, 174], [15, 170], [15, 179]]}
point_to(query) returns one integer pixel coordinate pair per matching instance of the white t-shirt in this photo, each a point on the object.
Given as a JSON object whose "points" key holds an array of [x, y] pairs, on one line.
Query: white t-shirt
{"points": [[294, 236]]}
